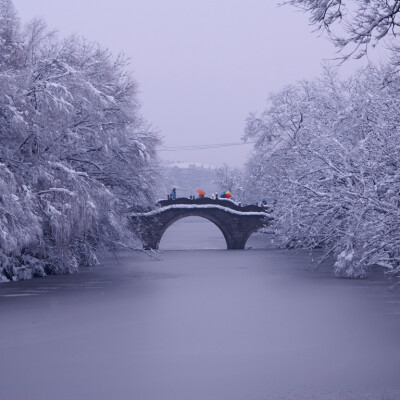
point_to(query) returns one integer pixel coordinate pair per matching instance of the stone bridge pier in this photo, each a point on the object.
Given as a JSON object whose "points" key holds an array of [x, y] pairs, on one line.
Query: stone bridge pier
{"points": [[236, 223]]}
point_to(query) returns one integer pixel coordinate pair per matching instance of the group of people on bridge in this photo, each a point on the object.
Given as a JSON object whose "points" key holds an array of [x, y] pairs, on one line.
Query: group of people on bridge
{"points": [[201, 194]]}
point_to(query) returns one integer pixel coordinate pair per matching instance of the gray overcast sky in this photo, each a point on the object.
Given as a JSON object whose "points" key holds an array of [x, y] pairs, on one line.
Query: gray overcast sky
{"points": [[202, 66]]}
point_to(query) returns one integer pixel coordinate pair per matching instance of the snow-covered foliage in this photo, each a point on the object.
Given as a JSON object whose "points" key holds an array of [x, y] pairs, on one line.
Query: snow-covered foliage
{"points": [[232, 179], [328, 153], [354, 24], [75, 155]]}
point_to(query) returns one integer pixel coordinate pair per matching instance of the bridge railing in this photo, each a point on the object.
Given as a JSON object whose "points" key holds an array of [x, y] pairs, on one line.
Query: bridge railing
{"points": [[219, 201]]}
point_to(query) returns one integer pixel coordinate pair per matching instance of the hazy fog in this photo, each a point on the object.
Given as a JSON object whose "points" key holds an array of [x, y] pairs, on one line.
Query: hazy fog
{"points": [[201, 66]]}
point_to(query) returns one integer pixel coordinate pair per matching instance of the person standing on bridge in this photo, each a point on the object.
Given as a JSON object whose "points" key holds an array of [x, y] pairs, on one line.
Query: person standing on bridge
{"points": [[173, 194], [201, 193]]}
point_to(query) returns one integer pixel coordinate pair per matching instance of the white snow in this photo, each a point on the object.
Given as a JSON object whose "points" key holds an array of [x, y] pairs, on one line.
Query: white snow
{"points": [[197, 206], [56, 190]]}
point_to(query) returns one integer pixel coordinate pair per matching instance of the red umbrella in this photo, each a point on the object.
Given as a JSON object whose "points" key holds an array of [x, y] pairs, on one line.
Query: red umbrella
{"points": [[202, 192]]}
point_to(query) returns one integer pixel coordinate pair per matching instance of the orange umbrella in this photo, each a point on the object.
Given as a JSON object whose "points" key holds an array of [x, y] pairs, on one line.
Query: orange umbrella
{"points": [[199, 191]]}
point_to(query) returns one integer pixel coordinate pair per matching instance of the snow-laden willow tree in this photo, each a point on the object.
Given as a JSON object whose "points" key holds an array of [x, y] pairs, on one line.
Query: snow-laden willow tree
{"points": [[75, 154], [328, 153]]}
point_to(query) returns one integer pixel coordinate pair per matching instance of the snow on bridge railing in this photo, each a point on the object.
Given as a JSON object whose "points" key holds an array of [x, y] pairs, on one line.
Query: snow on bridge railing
{"points": [[228, 203], [230, 210], [224, 204]]}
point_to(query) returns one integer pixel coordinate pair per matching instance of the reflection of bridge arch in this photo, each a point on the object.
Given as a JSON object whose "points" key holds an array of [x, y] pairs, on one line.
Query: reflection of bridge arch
{"points": [[235, 222]]}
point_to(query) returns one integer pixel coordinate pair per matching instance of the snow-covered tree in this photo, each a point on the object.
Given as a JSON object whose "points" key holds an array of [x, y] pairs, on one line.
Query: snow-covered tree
{"points": [[75, 153], [232, 179], [327, 152]]}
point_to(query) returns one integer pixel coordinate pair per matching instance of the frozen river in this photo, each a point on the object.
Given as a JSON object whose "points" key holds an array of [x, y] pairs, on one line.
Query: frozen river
{"points": [[200, 325]]}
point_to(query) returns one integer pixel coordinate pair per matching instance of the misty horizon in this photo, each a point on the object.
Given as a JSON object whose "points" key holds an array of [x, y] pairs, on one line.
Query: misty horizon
{"points": [[202, 68]]}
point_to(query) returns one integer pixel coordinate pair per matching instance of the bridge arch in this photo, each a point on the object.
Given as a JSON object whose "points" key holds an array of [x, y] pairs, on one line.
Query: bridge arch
{"points": [[212, 220]]}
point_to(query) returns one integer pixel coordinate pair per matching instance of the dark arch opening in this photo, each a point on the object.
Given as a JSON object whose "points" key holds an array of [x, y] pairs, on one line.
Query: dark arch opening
{"points": [[192, 233]]}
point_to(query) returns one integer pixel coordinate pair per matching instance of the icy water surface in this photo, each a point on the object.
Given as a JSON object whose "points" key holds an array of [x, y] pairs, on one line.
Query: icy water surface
{"points": [[200, 325]]}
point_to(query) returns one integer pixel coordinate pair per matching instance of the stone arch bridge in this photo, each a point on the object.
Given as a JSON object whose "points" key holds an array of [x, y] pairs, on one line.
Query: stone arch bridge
{"points": [[236, 222]]}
